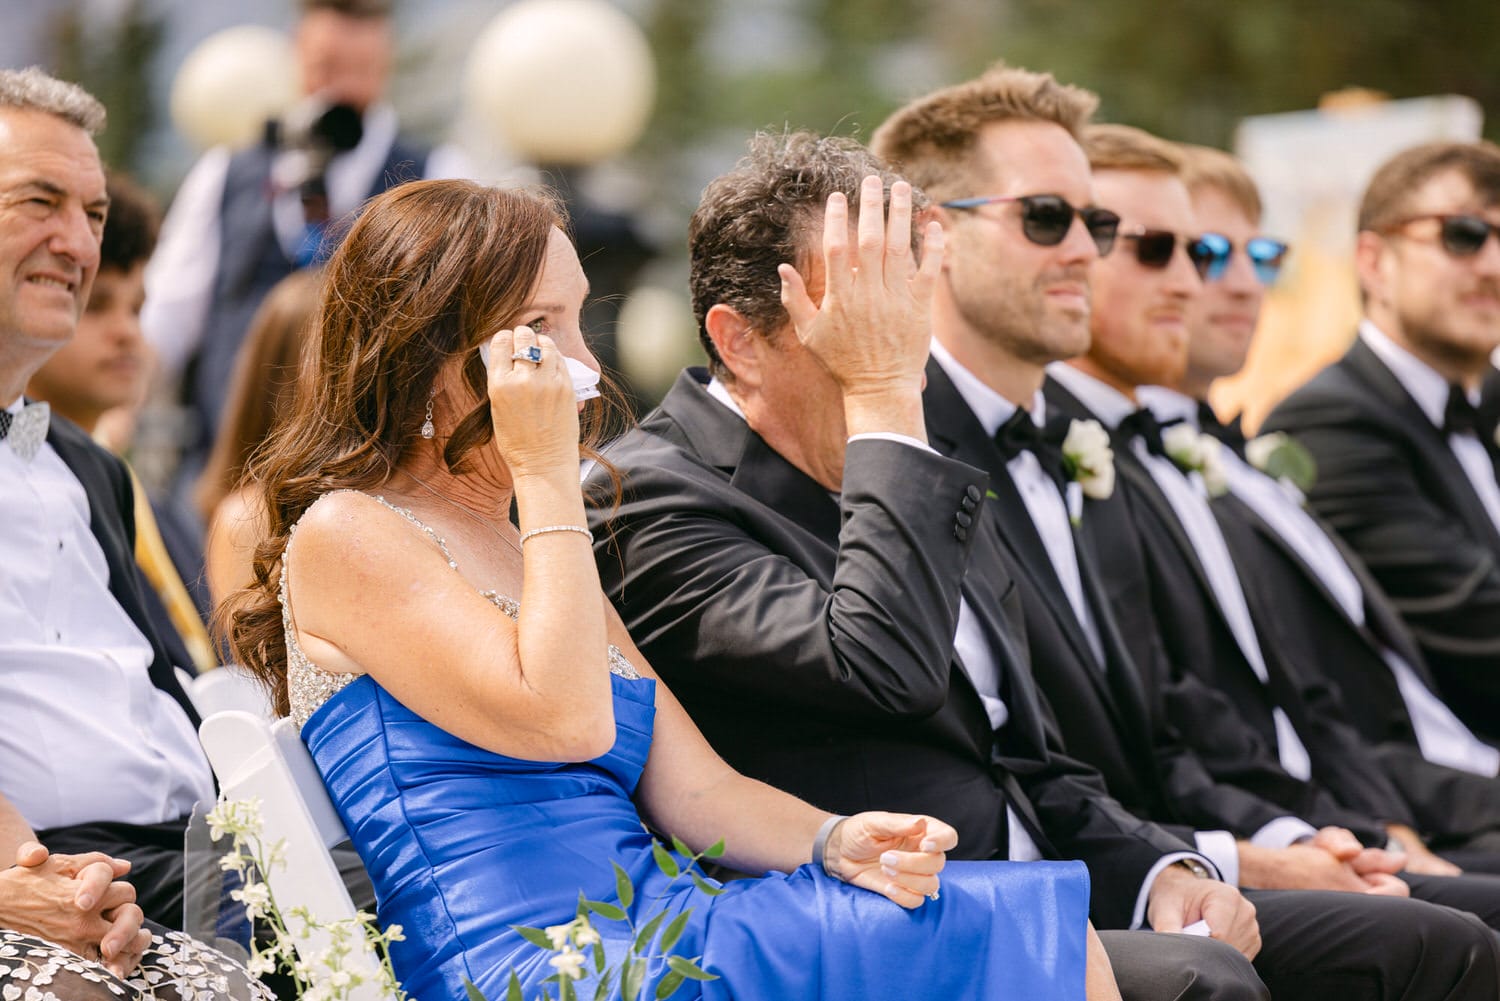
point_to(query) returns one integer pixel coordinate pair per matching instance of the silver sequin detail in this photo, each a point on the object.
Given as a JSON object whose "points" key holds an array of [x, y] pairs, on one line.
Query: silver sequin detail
{"points": [[308, 687]]}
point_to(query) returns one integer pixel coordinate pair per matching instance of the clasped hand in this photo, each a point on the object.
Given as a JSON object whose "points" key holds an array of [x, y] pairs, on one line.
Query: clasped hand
{"points": [[78, 902], [872, 328], [897, 855]]}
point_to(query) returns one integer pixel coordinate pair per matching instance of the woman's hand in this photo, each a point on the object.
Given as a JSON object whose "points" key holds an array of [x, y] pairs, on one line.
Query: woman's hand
{"points": [[76, 901], [897, 855], [532, 404]]}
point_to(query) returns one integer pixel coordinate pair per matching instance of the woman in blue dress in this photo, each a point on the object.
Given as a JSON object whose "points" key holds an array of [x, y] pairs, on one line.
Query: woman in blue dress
{"points": [[491, 737]]}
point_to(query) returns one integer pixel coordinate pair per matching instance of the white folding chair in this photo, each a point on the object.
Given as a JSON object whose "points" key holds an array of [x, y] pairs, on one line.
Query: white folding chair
{"points": [[227, 687], [252, 758]]}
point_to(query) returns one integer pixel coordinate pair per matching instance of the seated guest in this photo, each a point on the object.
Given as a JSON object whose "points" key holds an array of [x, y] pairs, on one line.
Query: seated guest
{"points": [[106, 366], [259, 395], [1256, 701], [1337, 611], [1016, 298], [791, 553], [484, 724], [1405, 458], [100, 751]]}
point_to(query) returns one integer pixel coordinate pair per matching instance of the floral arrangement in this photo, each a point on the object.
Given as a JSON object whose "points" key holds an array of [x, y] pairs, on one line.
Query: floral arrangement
{"points": [[1195, 452], [1088, 459], [1284, 458]]}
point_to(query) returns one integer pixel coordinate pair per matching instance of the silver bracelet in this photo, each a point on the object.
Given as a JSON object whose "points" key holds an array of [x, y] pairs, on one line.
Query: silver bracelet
{"points": [[820, 844], [557, 528]]}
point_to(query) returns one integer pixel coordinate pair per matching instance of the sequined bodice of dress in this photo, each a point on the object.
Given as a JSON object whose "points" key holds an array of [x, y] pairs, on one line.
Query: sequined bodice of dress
{"points": [[308, 687]]}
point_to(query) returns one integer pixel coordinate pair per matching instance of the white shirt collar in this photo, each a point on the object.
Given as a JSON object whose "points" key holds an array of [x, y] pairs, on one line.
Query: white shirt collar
{"points": [[1105, 401], [720, 392], [1169, 404], [988, 406], [1422, 384]]}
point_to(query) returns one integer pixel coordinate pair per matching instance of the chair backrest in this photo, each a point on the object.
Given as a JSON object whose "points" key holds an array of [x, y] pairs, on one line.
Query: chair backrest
{"points": [[254, 758], [226, 687]]}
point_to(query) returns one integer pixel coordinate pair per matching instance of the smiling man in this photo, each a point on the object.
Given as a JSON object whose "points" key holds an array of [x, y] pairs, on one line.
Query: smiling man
{"points": [[1406, 463]]}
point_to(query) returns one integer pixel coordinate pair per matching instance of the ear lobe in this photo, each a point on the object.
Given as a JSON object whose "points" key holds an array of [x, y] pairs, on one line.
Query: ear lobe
{"points": [[1369, 257], [734, 340]]}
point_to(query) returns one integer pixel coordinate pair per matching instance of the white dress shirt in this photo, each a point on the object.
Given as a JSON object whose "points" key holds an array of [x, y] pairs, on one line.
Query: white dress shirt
{"points": [[1430, 392], [87, 736], [180, 274]]}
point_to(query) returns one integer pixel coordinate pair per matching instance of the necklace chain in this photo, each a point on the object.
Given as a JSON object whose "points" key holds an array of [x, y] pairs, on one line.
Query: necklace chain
{"points": [[464, 511]]}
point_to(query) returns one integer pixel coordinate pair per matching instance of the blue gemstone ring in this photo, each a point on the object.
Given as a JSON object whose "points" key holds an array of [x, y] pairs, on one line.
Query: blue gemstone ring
{"points": [[532, 354]]}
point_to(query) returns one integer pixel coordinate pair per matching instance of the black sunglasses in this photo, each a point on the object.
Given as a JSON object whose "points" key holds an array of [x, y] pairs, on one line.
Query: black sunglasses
{"points": [[1154, 249], [1461, 235], [1046, 219]]}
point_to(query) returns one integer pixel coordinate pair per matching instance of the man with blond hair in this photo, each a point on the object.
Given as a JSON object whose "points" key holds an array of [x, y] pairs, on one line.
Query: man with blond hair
{"points": [[1000, 157], [1406, 459]]}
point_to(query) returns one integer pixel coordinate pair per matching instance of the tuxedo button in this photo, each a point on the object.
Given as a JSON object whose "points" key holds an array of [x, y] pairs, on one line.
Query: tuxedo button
{"points": [[964, 519], [967, 504], [972, 494], [960, 533]]}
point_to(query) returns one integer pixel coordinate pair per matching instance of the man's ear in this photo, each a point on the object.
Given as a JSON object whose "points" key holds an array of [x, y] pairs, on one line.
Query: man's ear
{"points": [[1372, 265], [736, 342]]}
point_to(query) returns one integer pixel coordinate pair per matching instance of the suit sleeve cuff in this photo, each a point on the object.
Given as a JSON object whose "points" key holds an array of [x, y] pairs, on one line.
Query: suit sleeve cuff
{"points": [[1138, 918], [891, 436], [1281, 832], [1222, 850]]}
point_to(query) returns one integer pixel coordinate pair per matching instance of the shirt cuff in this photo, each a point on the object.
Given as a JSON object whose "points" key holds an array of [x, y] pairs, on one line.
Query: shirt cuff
{"points": [[1281, 832], [1223, 850], [904, 439], [1138, 918]]}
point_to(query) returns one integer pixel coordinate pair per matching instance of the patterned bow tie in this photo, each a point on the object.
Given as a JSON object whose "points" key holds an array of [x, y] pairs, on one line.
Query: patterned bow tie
{"points": [[27, 430], [1144, 425]]}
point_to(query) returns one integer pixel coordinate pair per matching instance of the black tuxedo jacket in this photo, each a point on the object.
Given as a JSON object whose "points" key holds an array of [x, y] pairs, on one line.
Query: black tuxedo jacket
{"points": [[106, 483], [1311, 625], [1391, 487], [812, 639], [1227, 717], [1107, 714]]}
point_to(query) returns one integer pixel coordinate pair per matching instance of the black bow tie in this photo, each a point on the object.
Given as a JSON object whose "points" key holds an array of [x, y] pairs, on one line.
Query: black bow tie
{"points": [[1459, 416], [1232, 435], [1020, 434], [1143, 425]]}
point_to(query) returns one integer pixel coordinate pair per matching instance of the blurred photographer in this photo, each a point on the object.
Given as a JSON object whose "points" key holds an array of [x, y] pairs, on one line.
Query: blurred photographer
{"points": [[242, 220]]}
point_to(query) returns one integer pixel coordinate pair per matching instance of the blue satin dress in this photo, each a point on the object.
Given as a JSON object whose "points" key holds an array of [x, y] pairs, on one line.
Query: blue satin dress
{"points": [[462, 843]]}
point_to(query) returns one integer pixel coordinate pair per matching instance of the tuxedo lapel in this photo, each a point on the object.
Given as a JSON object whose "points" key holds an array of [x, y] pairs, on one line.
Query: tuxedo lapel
{"points": [[1128, 699], [1367, 366]]}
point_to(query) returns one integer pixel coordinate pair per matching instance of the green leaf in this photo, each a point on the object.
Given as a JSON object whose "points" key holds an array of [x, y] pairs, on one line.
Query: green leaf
{"points": [[631, 979], [664, 860], [668, 985], [705, 886], [512, 993], [607, 911], [601, 991], [689, 969], [624, 889], [674, 930], [535, 936], [715, 850], [680, 848], [647, 933]]}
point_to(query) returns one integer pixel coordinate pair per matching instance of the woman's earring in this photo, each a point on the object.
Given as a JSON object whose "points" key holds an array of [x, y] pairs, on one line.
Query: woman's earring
{"points": [[427, 429]]}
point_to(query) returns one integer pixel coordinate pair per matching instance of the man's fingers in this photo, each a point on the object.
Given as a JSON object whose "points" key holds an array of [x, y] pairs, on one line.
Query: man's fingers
{"points": [[799, 306], [835, 245], [94, 881], [898, 236], [31, 854], [933, 245], [872, 227]]}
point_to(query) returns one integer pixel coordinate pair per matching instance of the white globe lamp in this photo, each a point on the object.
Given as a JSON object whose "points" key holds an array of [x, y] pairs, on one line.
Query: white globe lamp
{"points": [[231, 83]]}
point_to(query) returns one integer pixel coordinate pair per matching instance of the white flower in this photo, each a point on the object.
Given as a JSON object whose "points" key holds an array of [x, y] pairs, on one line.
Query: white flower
{"points": [[586, 935], [558, 935], [1194, 452], [1211, 459], [255, 896], [569, 963], [1258, 451], [1090, 460]]}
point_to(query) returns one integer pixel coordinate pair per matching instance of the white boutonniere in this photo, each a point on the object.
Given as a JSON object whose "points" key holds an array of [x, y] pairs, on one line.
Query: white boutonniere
{"points": [[1195, 452], [1284, 458], [1088, 459]]}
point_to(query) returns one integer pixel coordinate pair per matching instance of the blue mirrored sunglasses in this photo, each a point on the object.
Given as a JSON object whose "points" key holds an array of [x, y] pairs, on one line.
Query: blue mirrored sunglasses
{"points": [[1266, 256]]}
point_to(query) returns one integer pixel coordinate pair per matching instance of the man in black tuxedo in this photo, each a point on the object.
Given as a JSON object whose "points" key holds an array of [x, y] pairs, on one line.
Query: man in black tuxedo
{"points": [[1405, 459], [790, 555], [1327, 605], [99, 751], [1257, 719], [1015, 297]]}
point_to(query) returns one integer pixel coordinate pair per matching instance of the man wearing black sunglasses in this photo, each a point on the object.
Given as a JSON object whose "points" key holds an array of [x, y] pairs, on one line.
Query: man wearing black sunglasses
{"points": [[1406, 461], [1008, 304]]}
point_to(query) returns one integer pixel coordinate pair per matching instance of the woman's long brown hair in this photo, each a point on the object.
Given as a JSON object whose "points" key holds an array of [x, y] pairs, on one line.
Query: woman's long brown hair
{"points": [[430, 270]]}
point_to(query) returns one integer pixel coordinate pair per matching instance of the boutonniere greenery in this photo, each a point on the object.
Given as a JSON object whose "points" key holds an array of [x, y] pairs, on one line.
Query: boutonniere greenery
{"points": [[1195, 452], [1284, 458], [1088, 460]]}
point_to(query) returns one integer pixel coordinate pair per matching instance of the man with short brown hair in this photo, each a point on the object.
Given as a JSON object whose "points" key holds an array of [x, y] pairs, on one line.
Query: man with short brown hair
{"points": [[1406, 460]]}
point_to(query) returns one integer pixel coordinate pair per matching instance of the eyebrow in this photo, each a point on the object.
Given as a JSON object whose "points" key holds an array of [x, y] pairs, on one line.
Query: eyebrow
{"points": [[52, 189], [549, 307]]}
